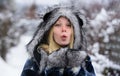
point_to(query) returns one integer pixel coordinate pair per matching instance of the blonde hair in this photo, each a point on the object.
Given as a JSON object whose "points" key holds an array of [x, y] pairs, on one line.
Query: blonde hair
{"points": [[52, 45]]}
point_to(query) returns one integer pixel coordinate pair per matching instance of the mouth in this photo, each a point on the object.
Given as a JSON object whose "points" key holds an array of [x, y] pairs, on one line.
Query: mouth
{"points": [[63, 37]]}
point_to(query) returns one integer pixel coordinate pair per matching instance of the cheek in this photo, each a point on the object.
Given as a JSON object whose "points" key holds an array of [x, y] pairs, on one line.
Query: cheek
{"points": [[56, 31], [70, 33], [56, 37], [56, 34]]}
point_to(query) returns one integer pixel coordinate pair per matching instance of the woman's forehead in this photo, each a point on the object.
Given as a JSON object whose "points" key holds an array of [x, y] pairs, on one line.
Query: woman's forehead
{"points": [[62, 18]]}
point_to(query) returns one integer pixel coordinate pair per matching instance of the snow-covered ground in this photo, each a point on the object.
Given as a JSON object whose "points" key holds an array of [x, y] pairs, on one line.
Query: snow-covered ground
{"points": [[15, 59]]}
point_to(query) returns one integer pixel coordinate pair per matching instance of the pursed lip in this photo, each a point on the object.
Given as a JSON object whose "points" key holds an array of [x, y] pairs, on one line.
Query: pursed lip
{"points": [[64, 37]]}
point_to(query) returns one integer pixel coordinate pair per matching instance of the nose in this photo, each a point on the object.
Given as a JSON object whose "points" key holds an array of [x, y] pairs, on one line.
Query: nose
{"points": [[64, 29]]}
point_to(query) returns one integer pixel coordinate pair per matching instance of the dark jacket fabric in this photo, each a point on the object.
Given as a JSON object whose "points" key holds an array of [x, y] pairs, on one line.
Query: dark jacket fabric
{"points": [[64, 61], [32, 69]]}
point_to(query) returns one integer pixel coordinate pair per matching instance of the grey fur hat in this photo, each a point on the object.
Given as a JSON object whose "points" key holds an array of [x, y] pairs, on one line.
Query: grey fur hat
{"points": [[50, 18]]}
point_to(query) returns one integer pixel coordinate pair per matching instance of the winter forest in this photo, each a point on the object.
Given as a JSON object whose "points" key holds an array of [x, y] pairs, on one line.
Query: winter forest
{"points": [[19, 20]]}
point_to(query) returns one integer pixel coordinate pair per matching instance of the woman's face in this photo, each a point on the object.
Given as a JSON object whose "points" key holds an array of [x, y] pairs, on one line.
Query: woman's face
{"points": [[62, 31]]}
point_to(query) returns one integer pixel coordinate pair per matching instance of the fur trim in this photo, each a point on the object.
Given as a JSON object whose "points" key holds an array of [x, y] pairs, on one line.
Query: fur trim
{"points": [[62, 58], [57, 58], [44, 58], [75, 57]]}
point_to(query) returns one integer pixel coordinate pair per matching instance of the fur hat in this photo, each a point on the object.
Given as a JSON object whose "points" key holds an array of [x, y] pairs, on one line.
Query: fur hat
{"points": [[49, 19]]}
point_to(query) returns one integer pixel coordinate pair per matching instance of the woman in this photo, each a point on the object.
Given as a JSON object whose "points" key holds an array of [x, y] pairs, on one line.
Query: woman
{"points": [[58, 47]]}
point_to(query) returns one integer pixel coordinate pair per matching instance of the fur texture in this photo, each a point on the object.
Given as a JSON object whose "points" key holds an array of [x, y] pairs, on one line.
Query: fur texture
{"points": [[63, 57], [75, 18], [75, 57]]}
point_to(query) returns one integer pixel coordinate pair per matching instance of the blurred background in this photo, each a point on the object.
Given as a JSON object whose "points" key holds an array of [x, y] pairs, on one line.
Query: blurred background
{"points": [[20, 18]]}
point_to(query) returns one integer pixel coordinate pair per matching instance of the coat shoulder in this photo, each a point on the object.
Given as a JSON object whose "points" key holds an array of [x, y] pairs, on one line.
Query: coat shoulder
{"points": [[30, 68]]}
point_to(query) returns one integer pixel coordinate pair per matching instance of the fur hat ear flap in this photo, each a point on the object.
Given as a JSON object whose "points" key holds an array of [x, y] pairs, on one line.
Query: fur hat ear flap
{"points": [[49, 13], [80, 21], [47, 16]]}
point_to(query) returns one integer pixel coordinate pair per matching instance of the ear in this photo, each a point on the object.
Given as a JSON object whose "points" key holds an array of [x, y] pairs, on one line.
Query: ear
{"points": [[79, 20], [47, 16]]}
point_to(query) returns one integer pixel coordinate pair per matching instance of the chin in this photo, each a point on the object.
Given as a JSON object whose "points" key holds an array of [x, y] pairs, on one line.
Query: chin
{"points": [[64, 44]]}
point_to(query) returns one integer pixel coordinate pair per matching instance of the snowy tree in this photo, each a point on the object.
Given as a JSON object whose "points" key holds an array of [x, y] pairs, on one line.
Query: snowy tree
{"points": [[5, 24], [8, 32]]}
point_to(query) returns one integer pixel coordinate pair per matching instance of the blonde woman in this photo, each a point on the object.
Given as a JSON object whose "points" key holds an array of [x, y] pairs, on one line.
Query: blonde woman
{"points": [[57, 48]]}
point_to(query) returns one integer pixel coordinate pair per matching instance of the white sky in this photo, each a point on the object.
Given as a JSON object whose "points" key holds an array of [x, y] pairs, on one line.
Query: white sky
{"points": [[43, 2]]}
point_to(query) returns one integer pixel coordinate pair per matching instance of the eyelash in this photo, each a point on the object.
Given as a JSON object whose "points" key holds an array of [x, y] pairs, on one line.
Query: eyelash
{"points": [[69, 25]]}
